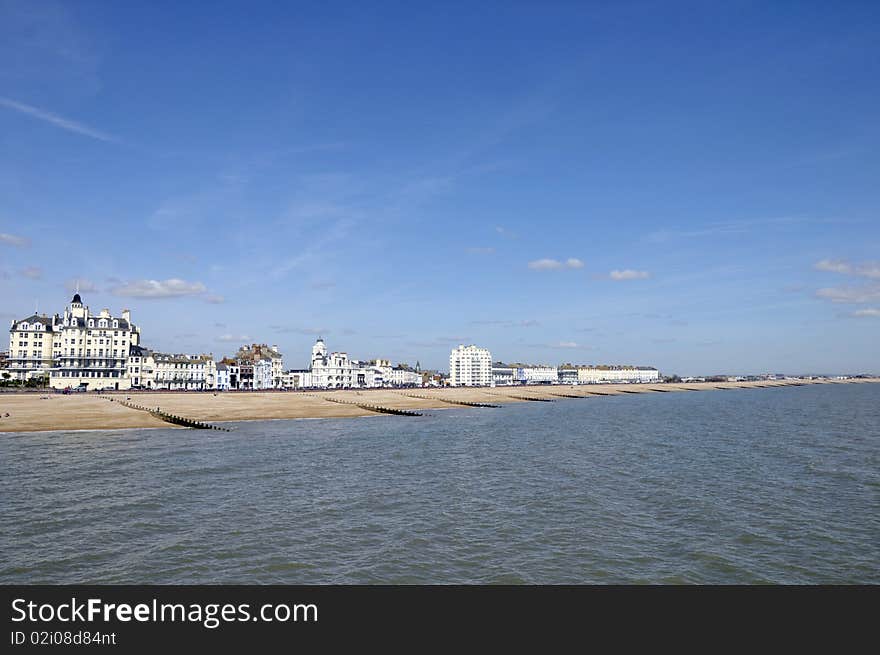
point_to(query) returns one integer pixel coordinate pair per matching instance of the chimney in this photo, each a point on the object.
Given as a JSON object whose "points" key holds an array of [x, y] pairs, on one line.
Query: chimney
{"points": [[126, 315]]}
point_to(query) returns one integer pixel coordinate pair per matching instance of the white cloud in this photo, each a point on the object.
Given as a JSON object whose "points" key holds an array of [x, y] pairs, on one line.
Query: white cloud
{"points": [[629, 274], [555, 264], [869, 269], [55, 120], [171, 288], [545, 265], [854, 295], [865, 313], [567, 344], [13, 240], [32, 272], [231, 338], [834, 266], [866, 269]]}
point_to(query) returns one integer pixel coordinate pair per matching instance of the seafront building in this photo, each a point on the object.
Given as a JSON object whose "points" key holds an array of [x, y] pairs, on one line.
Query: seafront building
{"points": [[76, 349], [336, 370], [632, 374], [470, 366], [503, 375], [513, 374], [262, 366], [82, 350]]}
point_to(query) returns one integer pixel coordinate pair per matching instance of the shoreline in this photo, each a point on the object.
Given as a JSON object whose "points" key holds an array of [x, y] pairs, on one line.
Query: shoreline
{"points": [[52, 412]]}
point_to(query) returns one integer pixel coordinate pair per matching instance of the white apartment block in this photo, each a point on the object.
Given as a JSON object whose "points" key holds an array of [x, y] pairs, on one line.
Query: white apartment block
{"points": [[470, 366], [633, 374], [76, 350]]}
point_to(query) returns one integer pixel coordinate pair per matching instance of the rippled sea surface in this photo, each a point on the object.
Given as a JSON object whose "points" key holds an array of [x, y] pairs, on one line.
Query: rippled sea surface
{"points": [[740, 486]]}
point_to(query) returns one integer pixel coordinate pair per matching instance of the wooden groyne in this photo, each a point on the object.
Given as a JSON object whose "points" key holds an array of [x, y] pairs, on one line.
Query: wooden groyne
{"points": [[463, 403], [373, 408], [531, 398], [170, 418], [564, 395]]}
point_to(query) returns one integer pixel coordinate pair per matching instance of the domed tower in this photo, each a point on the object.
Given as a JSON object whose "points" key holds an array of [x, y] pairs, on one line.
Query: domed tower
{"points": [[77, 310], [319, 353]]}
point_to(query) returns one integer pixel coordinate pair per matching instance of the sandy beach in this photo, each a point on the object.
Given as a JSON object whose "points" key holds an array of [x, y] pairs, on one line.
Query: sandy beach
{"points": [[30, 412]]}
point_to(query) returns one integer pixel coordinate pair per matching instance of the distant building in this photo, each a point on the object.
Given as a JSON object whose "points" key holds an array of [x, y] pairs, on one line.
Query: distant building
{"points": [[249, 357], [178, 372], [537, 374], [470, 366], [503, 375], [404, 377], [222, 380], [598, 374], [337, 371], [297, 379], [141, 368], [568, 375]]}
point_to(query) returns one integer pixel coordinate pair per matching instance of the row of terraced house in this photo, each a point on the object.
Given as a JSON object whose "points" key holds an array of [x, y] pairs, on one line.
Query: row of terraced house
{"points": [[80, 350]]}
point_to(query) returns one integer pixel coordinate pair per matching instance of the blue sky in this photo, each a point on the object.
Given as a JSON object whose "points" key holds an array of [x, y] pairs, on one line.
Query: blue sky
{"points": [[689, 186]]}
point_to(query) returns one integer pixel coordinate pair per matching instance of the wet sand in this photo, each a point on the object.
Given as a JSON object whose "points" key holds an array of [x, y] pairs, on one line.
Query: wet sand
{"points": [[30, 412]]}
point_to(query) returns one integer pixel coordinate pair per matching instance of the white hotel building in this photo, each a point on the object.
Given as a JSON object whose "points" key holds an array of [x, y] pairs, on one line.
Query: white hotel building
{"points": [[77, 349], [470, 366]]}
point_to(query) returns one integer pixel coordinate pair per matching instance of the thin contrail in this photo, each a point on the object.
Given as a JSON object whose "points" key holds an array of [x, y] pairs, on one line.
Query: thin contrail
{"points": [[58, 121]]}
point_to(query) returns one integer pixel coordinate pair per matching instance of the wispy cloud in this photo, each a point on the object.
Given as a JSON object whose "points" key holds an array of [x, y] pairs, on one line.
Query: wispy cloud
{"points": [[32, 272], [300, 330], [508, 323], [231, 338], [724, 228], [13, 240], [628, 274], [214, 299], [867, 313], [57, 121], [81, 284], [852, 295], [865, 269], [172, 288], [555, 264]]}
